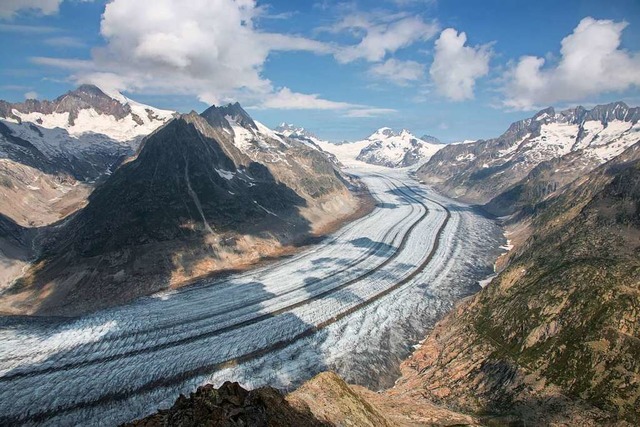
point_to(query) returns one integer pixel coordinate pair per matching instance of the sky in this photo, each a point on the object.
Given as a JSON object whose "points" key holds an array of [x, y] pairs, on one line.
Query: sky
{"points": [[454, 69]]}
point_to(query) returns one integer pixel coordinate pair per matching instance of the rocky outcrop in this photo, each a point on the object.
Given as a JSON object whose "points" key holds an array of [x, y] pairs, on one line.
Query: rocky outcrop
{"points": [[573, 141], [325, 400], [231, 406]]}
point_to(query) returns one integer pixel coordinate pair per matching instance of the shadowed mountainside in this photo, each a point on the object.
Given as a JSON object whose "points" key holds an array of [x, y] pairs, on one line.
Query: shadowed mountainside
{"points": [[204, 194]]}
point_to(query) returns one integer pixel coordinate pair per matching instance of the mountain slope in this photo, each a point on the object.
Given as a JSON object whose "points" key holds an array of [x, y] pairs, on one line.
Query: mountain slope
{"points": [[479, 171], [205, 193], [554, 338], [391, 149]]}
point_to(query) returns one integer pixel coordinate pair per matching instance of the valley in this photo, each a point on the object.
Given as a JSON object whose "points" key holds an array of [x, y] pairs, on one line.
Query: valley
{"points": [[256, 213], [378, 283]]}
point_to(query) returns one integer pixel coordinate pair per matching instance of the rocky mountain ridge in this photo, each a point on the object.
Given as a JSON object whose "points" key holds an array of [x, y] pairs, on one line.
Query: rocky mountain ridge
{"points": [[53, 152], [82, 134], [582, 139], [553, 338]]}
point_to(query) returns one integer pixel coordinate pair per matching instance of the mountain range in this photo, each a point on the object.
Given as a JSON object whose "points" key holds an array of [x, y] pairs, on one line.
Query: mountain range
{"points": [[534, 157], [105, 199], [201, 193], [384, 147], [397, 149]]}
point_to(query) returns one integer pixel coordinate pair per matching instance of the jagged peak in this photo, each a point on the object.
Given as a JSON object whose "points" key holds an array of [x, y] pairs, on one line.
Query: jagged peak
{"points": [[216, 115], [87, 92]]}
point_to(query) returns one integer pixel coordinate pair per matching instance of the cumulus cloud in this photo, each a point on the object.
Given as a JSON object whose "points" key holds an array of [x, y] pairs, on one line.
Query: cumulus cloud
{"points": [[456, 67], [591, 63], [209, 48], [381, 34], [399, 72], [10, 8], [31, 95]]}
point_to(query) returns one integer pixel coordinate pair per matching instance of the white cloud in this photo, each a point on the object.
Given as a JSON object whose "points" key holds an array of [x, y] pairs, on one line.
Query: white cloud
{"points": [[27, 29], [65, 41], [591, 63], [31, 95], [399, 72], [456, 67], [10, 8], [68, 63], [369, 112], [381, 34], [208, 48], [285, 99]]}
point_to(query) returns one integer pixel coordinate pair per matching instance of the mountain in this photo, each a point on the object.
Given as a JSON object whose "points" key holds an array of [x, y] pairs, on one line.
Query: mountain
{"points": [[299, 133], [52, 152], [553, 339], [205, 193], [388, 148], [302, 135], [482, 170]]}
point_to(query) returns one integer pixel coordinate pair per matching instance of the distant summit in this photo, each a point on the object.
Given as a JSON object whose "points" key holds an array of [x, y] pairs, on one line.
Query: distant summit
{"points": [[396, 149]]}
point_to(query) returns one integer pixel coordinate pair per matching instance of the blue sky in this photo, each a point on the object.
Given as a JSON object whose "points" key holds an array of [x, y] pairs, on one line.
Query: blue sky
{"points": [[451, 68]]}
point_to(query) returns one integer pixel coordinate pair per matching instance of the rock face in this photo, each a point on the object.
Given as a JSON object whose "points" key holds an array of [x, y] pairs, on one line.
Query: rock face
{"points": [[231, 406], [388, 148], [572, 142], [325, 400], [205, 193], [554, 337]]}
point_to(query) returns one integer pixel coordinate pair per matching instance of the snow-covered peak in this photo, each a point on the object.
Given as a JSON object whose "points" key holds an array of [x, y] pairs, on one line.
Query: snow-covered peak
{"points": [[292, 131], [88, 110], [138, 106], [396, 149], [381, 133]]}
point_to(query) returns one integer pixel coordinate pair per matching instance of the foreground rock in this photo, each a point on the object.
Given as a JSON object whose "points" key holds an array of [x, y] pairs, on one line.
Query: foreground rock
{"points": [[325, 400], [231, 405]]}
